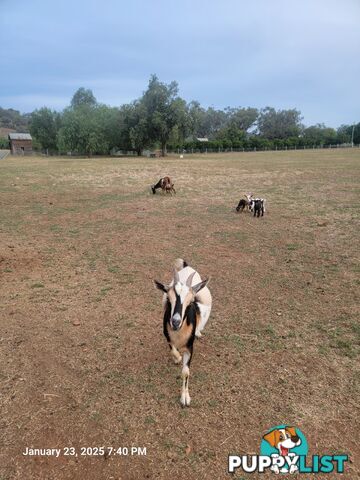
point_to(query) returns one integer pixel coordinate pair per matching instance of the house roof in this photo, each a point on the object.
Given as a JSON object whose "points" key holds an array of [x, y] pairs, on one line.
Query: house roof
{"points": [[20, 136]]}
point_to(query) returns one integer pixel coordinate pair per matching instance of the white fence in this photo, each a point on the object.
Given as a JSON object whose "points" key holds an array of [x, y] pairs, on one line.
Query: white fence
{"points": [[257, 149]]}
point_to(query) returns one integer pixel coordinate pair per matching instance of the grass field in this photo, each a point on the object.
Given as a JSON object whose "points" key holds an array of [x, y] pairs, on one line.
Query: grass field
{"points": [[82, 358]]}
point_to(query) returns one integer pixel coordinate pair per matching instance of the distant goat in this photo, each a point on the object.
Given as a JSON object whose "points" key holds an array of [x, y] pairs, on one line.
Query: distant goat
{"points": [[259, 207], [256, 205], [187, 305], [249, 196], [165, 184], [245, 202], [242, 204]]}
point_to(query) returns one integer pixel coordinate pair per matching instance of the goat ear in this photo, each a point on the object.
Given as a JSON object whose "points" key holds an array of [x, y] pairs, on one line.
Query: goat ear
{"points": [[196, 288], [176, 276], [160, 286], [189, 279]]}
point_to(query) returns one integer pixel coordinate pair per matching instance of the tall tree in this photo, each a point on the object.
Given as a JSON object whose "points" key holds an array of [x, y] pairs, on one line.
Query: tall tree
{"points": [[134, 132], [83, 131], [242, 118], [279, 123], [348, 133], [196, 116], [164, 110], [83, 97], [44, 126], [213, 121]]}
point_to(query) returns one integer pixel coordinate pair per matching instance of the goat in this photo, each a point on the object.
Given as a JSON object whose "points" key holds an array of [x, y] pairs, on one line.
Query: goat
{"points": [[259, 207], [249, 196], [252, 202], [165, 184], [187, 305], [242, 204]]}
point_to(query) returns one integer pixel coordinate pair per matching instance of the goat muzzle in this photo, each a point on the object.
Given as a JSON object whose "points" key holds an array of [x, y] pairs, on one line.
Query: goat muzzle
{"points": [[176, 321]]}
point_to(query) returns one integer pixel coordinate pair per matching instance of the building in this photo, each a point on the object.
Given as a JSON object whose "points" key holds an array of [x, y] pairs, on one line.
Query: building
{"points": [[20, 143]]}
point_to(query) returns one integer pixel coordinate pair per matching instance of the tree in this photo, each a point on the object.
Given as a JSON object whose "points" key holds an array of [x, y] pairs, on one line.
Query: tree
{"points": [[232, 134], [164, 110], [83, 97], [83, 131], [89, 127], [347, 133], [279, 124], [242, 118], [319, 134], [109, 123], [343, 134], [4, 143], [195, 118], [44, 126], [213, 121], [134, 132], [10, 118]]}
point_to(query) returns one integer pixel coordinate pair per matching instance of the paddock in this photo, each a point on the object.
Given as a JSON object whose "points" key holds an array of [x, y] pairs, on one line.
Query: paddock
{"points": [[84, 362]]}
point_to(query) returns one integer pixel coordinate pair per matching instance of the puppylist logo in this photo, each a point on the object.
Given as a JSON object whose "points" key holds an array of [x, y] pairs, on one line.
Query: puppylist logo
{"points": [[284, 449]]}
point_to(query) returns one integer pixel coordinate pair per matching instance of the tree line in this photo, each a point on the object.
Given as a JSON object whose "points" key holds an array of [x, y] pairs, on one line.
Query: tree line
{"points": [[161, 119]]}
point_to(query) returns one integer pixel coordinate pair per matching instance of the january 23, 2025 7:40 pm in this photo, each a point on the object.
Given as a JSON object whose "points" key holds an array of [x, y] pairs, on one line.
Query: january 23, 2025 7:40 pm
{"points": [[84, 451]]}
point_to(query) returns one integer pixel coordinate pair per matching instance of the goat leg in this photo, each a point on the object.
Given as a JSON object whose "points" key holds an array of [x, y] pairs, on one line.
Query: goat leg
{"points": [[175, 354], [185, 397]]}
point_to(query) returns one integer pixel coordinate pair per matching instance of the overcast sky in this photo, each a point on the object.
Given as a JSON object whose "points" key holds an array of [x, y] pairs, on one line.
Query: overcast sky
{"points": [[281, 53]]}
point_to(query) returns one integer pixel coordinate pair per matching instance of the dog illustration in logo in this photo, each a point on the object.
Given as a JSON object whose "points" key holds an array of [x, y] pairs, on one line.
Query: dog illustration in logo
{"points": [[283, 439]]}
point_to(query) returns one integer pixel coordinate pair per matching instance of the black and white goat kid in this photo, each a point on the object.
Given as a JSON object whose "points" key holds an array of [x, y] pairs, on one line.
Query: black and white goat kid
{"points": [[258, 207], [187, 305]]}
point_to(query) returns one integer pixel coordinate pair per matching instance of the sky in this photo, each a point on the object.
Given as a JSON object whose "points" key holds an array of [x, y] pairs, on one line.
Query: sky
{"points": [[302, 54]]}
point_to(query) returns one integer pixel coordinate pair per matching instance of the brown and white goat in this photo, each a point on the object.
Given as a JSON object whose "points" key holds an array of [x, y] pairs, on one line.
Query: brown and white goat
{"points": [[187, 305], [165, 184]]}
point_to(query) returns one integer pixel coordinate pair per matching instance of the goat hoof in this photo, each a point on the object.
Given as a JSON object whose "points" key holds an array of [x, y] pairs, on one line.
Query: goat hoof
{"points": [[177, 361], [185, 399], [198, 334]]}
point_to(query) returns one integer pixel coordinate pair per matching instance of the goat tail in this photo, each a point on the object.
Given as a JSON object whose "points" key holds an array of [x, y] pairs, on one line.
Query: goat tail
{"points": [[179, 264]]}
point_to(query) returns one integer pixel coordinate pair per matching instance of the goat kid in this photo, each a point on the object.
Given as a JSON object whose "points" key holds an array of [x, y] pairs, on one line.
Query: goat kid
{"points": [[258, 207], [253, 201], [242, 204], [187, 305]]}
